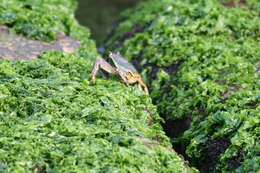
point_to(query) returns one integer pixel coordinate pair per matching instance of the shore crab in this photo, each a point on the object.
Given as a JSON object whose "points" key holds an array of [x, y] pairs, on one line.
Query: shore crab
{"points": [[123, 68]]}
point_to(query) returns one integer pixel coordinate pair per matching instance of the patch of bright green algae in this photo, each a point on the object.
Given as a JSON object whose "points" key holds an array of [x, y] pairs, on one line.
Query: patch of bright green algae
{"points": [[201, 60], [53, 120]]}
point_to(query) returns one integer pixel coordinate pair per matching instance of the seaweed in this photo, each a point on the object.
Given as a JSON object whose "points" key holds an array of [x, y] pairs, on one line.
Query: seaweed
{"points": [[214, 52], [52, 119]]}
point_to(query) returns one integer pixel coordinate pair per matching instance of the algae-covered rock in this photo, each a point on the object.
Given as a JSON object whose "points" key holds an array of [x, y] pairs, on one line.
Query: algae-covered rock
{"points": [[53, 120], [201, 59]]}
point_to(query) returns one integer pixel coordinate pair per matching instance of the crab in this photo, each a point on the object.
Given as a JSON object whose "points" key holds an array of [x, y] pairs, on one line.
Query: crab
{"points": [[123, 68]]}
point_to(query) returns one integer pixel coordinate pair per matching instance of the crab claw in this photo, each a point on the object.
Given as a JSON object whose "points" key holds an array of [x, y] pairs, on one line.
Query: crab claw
{"points": [[93, 79]]}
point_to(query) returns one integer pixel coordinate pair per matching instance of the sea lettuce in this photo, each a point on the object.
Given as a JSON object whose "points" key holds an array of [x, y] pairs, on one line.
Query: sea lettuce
{"points": [[52, 119], [201, 61]]}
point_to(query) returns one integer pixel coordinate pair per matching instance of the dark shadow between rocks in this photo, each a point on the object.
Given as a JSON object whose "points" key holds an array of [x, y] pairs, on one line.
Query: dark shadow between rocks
{"points": [[212, 153], [174, 128]]}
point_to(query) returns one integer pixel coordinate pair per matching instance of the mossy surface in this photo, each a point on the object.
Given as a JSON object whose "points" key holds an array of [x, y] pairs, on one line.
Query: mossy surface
{"points": [[201, 60], [53, 120]]}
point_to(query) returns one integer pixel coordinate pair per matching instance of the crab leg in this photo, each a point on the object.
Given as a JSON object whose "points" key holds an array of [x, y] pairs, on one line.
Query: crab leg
{"points": [[101, 64], [142, 85], [123, 77]]}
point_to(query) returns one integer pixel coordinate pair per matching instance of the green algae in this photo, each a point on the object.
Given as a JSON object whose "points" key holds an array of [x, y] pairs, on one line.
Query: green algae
{"points": [[53, 120], [201, 60]]}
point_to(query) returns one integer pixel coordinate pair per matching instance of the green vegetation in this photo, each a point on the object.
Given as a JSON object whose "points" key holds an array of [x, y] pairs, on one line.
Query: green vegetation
{"points": [[201, 59], [53, 120]]}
